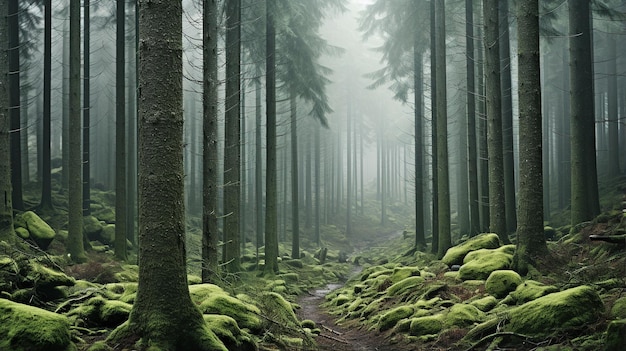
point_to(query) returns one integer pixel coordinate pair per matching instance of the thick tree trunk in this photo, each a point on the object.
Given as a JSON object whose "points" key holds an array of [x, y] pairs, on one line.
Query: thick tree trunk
{"points": [[530, 238], [163, 314], [418, 143], [6, 208], [14, 102], [613, 144], [86, 166], [433, 123], [46, 174]]}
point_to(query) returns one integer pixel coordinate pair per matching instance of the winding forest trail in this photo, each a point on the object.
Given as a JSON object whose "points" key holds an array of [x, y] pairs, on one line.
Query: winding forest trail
{"points": [[349, 337]]}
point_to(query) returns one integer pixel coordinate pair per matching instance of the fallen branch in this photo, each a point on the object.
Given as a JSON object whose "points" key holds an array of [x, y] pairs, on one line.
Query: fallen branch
{"points": [[334, 338], [331, 330]]}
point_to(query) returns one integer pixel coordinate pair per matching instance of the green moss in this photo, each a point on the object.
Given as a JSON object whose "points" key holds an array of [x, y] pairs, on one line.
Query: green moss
{"points": [[200, 292], [246, 315], [126, 292], [22, 233], [482, 265], [501, 282], [107, 235], [426, 325], [229, 333], [570, 308], [462, 315], [530, 290], [307, 323], [616, 335], [193, 279], [455, 254], [341, 299], [373, 307], [41, 233], [130, 273], [402, 273], [92, 228], [289, 277], [28, 328], [101, 312], [45, 279], [485, 304], [405, 285], [389, 319], [618, 311], [100, 346], [280, 309]]}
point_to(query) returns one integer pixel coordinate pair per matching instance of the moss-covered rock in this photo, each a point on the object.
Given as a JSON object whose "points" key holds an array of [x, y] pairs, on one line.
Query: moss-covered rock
{"points": [[246, 315], [618, 311], [616, 336], [501, 282], [22, 233], [401, 273], [40, 232], [28, 328], [389, 319], [570, 308], [481, 266], [455, 254], [229, 333], [462, 315], [92, 228], [279, 309], [107, 235], [101, 312], [129, 273], [528, 291], [405, 285], [426, 325], [506, 249], [200, 292], [485, 304]]}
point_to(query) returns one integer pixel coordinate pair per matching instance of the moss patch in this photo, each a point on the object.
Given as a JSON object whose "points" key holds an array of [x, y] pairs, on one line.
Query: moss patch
{"points": [[462, 315], [561, 310], [426, 325], [616, 335], [27, 328], [405, 285], [391, 317], [530, 290], [501, 282], [618, 311], [41, 233], [246, 315], [229, 333], [455, 254], [481, 266], [485, 304]]}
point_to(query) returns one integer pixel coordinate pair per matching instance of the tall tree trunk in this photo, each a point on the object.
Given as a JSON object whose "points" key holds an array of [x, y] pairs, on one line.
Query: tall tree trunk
{"points": [[585, 200], [46, 174], [491, 41], [349, 173], [433, 123], [472, 158], [443, 185], [7, 232], [210, 233], [163, 314], [271, 228], [131, 142], [295, 202], [232, 137], [120, 133], [530, 239], [86, 166], [317, 185], [75, 209], [14, 102], [564, 169], [507, 119], [613, 147], [418, 143], [483, 173], [258, 168]]}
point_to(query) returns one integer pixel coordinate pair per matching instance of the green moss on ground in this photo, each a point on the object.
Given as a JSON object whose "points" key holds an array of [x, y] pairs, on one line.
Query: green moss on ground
{"points": [[528, 291], [39, 231], [480, 266], [28, 328], [501, 282], [455, 254], [389, 319]]}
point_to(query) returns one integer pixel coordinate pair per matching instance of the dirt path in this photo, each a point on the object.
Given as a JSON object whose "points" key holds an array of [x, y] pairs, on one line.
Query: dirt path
{"points": [[340, 338]]}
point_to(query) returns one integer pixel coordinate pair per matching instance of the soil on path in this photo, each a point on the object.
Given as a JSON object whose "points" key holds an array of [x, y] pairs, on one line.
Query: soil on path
{"points": [[345, 337]]}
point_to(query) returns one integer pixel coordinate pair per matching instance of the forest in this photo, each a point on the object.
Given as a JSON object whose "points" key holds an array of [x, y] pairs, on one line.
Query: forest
{"points": [[312, 175]]}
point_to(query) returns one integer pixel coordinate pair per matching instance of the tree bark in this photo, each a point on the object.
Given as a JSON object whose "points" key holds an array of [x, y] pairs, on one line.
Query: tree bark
{"points": [[7, 232], [530, 238], [585, 203], [210, 234], [46, 174], [472, 158], [295, 202], [75, 204], [418, 141], [14, 102], [163, 314], [120, 133], [232, 138]]}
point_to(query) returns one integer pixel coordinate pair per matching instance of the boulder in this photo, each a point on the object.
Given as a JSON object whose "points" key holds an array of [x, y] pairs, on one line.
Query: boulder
{"points": [[92, 228], [558, 311], [40, 232], [528, 291], [107, 235], [401, 273], [100, 312], [616, 336], [28, 328], [462, 315], [389, 319], [246, 315], [407, 284], [229, 333], [485, 304], [618, 311], [481, 266], [500, 283], [426, 325], [455, 254]]}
